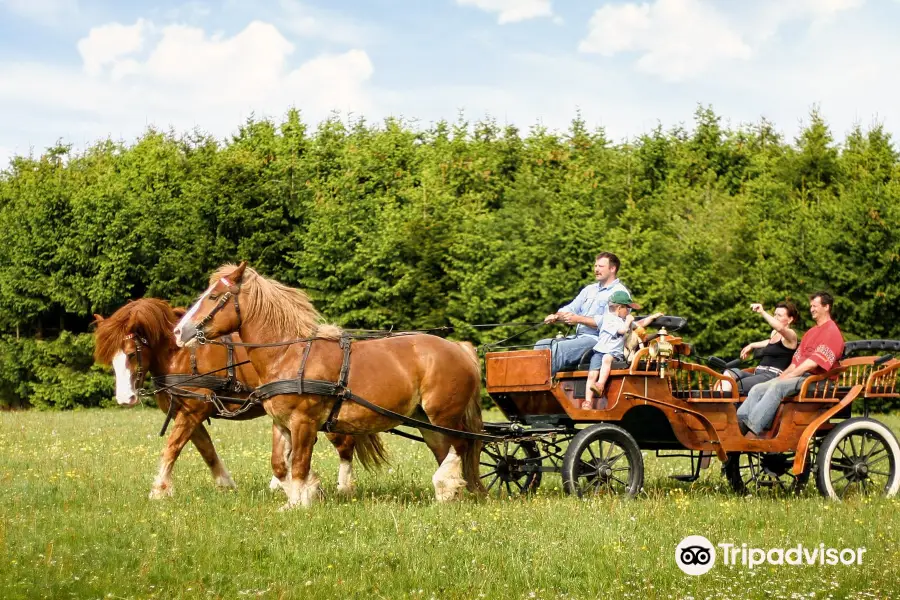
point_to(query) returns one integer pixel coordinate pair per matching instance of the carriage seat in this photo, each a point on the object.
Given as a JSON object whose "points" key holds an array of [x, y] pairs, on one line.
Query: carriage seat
{"points": [[585, 363], [852, 347]]}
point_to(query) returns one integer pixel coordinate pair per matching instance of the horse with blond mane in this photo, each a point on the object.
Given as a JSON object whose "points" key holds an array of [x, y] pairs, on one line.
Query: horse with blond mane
{"points": [[138, 340], [415, 375]]}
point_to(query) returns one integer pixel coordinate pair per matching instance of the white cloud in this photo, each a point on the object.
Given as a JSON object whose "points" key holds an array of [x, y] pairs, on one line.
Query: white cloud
{"points": [[675, 39], [43, 11], [177, 76], [680, 39], [760, 21], [512, 11], [104, 45], [311, 22]]}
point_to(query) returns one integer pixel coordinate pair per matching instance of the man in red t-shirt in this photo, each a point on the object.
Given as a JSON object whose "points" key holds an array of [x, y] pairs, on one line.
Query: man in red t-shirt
{"points": [[819, 350]]}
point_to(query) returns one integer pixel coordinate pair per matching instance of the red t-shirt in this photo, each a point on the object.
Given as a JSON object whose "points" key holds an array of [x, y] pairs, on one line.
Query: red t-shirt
{"points": [[822, 344]]}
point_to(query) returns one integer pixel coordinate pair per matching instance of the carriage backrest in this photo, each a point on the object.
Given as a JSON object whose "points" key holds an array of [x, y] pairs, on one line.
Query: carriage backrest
{"points": [[692, 381]]}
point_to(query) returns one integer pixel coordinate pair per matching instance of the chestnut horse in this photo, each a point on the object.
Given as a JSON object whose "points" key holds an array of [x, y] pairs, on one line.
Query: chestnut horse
{"points": [[416, 375], [137, 339]]}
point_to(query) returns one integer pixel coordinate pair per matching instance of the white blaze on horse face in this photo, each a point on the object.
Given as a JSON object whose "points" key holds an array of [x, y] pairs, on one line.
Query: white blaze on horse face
{"points": [[190, 315], [124, 388]]}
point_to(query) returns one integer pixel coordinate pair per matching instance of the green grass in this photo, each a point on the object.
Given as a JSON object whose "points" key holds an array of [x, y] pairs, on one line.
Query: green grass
{"points": [[75, 522]]}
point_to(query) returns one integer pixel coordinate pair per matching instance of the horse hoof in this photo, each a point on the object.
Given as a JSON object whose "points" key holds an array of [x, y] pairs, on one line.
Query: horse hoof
{"points": [[275, 484], [449, 493], [158, 493], [226, 483]]}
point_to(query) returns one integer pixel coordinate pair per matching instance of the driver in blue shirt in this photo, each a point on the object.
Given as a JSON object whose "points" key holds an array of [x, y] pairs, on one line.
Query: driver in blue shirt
{"points": [[585, 312]]}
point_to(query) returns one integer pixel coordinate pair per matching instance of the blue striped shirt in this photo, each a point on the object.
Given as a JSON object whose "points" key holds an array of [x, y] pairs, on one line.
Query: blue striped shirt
{"points": [[592, 301]]}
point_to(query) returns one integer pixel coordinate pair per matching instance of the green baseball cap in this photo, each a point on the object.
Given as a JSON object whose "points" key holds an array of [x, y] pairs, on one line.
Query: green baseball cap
{"points": [[622, 297]]}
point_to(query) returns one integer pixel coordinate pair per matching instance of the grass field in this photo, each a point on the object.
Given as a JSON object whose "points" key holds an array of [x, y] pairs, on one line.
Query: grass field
{"points": [[75, 522]]}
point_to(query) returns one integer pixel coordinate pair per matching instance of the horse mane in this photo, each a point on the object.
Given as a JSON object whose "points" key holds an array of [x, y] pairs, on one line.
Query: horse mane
{"points": [[150, 318], [289, 310]]}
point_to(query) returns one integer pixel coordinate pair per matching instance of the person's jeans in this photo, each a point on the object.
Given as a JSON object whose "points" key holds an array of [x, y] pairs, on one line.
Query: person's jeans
{"points": [[566, 353], [758, 411], [746, 381]]}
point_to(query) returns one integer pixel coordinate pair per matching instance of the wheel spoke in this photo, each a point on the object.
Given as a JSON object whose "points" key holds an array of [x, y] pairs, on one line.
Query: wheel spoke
{"points": [[492, 453], [489, 473], [844, 491], [840, 448], [841, 466], [882, 449], [853, 445], [591, 452], [612, 459], [885, 457], [876, 445], [625, 485]]}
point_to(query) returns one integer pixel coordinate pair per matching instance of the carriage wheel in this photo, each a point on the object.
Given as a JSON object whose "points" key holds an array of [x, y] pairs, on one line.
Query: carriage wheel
{"points": [[603, 459], [765, 472], [510, 468], [859, 457]]}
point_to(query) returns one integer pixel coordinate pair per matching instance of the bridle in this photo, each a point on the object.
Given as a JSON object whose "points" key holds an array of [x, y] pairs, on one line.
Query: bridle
{"points": [[232, 294], [139, 343]]}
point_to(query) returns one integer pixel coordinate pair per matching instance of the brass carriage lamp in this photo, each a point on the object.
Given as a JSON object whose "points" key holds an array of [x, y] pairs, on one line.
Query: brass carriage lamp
{"points": [[661, 349]]}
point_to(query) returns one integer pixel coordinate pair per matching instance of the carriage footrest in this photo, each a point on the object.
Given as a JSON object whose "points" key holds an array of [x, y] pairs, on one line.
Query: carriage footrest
{"points": [[697, 463], [686, 478]]}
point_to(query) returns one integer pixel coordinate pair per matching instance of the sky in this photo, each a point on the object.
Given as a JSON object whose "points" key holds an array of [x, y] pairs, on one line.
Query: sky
{"points": [[82, 71]]}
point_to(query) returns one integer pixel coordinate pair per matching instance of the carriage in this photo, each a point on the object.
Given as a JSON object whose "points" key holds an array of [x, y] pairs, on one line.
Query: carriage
{"points": [[663, 399], [666, 400]]}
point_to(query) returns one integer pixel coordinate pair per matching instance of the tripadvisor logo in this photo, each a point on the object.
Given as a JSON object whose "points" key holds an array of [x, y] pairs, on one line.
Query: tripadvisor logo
{"points": [[696, 555]]}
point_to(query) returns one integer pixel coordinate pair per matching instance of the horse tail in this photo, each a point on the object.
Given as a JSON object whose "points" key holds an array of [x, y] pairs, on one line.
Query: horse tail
{"points": [[370, 451], [472, 422]]}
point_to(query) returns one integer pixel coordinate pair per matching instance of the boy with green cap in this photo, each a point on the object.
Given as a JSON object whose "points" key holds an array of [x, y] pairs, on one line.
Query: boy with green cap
{"points": [[610, 346]]}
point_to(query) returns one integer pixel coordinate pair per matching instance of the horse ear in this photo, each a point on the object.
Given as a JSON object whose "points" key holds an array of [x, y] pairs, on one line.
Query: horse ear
{"points": [[238, 273], [97, 320]]}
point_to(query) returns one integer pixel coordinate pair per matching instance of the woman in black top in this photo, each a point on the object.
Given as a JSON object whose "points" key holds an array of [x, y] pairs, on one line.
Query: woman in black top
{"points": [[777, 351]]}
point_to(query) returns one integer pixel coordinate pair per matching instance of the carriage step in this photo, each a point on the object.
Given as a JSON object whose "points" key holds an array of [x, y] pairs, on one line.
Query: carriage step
{"points": [[702, 462]]}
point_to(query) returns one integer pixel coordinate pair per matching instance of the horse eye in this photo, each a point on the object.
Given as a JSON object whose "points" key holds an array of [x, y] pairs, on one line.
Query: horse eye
{"points": [[213, 296]]}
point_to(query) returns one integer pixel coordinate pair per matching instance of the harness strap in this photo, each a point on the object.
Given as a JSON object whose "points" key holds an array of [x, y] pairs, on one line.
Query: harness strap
{"points": [[234, 383], [344, 391], [302, 368], [169, 414], [329, 388], [210, 382]]}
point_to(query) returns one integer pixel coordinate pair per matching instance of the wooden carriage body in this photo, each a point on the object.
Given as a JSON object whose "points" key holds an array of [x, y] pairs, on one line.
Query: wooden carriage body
{"points": [[678, 404]]}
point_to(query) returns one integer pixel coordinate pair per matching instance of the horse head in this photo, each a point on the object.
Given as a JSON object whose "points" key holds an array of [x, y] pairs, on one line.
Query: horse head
{"points": [[134, 340], [216, 313]]}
